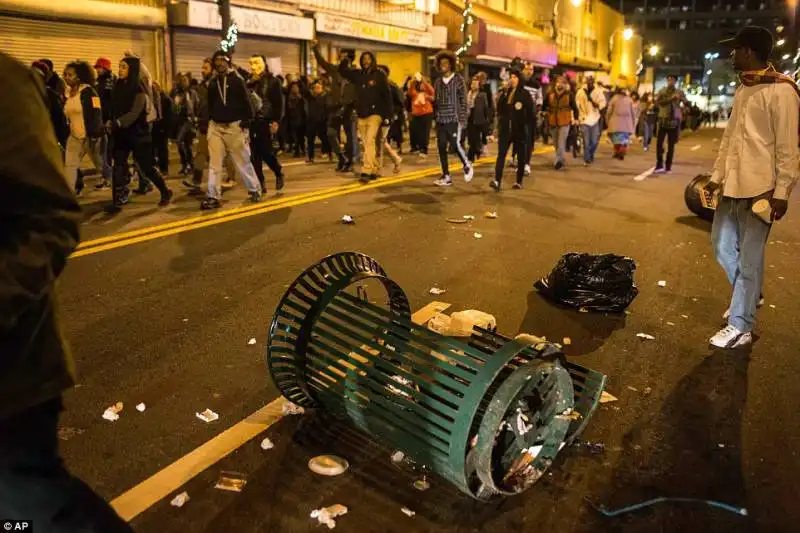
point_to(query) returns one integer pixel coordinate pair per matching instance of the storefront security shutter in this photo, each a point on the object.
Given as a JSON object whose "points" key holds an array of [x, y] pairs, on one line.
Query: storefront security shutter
{"points": [[192, 46], [63, 42]]}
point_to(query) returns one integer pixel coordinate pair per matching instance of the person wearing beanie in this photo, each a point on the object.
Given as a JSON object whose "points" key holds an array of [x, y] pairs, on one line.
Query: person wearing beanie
{"points": [[758, 163], [451, 116], [131, 134], [230, 112]]}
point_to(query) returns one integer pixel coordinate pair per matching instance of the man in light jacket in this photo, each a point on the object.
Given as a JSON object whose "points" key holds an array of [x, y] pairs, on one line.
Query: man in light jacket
{"points": [[755, 167], [591, 101]]}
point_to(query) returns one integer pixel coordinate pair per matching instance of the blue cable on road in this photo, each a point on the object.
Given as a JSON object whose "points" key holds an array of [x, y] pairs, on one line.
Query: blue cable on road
{"points": [[635, 507]]}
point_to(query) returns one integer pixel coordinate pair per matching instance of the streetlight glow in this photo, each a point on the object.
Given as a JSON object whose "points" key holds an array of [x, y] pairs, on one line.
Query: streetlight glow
{"points": [[780, 42], [627, 34], [653, 51], [785, 56], [576, 3]]}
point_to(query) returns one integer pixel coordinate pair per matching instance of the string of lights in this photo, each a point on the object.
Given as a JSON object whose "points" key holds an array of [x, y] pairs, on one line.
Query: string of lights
{"points": [[466, 24], [231, 37]]}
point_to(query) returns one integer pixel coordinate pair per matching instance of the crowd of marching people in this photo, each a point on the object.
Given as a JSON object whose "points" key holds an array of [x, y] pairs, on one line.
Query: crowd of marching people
{"points": [[232, 120]]}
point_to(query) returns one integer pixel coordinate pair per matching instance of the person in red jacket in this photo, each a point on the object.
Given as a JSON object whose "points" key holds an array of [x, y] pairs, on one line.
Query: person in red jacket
{"points": [[422, 95]]}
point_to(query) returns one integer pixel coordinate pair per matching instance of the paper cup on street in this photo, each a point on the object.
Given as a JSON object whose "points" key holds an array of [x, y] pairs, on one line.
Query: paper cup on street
{"points": [[763, 210]]}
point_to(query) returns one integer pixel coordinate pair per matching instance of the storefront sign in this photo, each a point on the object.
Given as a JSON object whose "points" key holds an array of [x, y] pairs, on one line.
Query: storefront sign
{"points": [[372, 31], [507, 42], [252, 21]]}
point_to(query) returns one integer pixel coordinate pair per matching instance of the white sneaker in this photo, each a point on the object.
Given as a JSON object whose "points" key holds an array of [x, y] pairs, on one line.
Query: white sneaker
{"points": [[527, 170], [444, 181], [731, 337], [469, 172]]}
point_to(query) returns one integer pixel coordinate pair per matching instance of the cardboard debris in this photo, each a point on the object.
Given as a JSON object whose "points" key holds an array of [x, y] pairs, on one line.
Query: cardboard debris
{"points": [[267, 444], [180, 499], [326, 515], [436, 291], [207, 416], [645, 336], [231, 481], [607, 398], [347, 219], [292, 409], [408, 512]]}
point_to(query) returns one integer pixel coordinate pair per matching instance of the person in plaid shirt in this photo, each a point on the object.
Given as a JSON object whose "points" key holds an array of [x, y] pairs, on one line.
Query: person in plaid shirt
{"points": [[451, 116]]}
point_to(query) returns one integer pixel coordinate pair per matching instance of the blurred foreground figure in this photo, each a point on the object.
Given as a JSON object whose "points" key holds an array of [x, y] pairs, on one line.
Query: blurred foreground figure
{"points": [[39, 221]]}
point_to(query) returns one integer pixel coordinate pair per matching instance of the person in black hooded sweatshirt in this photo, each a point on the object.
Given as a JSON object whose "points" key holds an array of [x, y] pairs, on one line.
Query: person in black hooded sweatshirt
{"points": [[132, 134]]}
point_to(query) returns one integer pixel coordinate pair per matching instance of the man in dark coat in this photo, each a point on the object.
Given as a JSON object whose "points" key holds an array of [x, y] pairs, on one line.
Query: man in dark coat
{"points": [[39, 221]]}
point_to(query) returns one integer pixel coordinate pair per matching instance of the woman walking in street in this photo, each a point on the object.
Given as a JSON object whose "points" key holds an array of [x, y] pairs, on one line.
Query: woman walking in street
{"points": [[132, 134], [478, 116], [185, 105], [562, 113], [515, 113], [85, 117], [621, 117], [421, 94], [649, 113]]}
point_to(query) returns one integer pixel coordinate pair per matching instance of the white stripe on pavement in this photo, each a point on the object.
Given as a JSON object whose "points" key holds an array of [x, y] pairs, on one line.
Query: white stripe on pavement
{"points": [[695, 147], [643, 175]]}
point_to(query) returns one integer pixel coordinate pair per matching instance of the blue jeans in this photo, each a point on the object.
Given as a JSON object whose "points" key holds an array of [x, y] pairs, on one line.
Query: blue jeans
{"points": [[591, 139], [561, 134], [739, 239], [647, 133]]}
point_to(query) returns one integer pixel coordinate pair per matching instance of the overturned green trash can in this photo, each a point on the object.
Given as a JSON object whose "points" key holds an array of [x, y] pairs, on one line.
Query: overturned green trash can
{"points": [[487, 413]]}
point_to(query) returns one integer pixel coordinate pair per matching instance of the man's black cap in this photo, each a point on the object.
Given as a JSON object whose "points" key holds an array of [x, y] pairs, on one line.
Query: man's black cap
{"points": [[756, 38]]}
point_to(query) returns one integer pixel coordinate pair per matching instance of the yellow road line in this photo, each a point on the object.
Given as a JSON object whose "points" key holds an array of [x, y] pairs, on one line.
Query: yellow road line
{"points": [[149, 492], [180, 226]]}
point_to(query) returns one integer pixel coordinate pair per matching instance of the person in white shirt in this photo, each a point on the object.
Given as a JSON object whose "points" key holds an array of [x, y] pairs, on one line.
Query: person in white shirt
{"points": [[758, 160], [591, 101]]}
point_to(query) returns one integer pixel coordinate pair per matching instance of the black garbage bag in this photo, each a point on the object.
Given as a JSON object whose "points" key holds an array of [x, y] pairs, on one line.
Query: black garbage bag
{"points": [[592, 282]]}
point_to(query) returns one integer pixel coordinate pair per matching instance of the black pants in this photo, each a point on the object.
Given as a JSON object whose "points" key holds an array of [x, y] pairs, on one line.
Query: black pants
{"points": [[185, 138], [142, 149], [161, 147], [35, 485], [396, 134], [671, 135], [447, 137], [261, 151], [317, 129], [421, 132], [475, 139], [520, 142], [299, 139]]}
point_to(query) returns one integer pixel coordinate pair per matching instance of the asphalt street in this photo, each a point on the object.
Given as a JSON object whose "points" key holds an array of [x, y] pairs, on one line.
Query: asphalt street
{"points": [[168, 321]]}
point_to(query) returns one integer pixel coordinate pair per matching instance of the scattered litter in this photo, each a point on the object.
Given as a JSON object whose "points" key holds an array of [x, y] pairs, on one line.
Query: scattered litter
{"points": [[490, 214], [252, 341], [436, 291], [595, 448], [456, 221], [461, 323], [186, 320], [601, 283], [207, 416], [662, 283], [694, 299], [721, 445], [645, 336], [477, 235], [231, 481], [326, 515], [408, 512], [647, 390], [634, 389], [772, 306], [421, 484], [567, 341], [112, 413], [635, 507], [584, 310], [328, 465], [570, 414], [670, 323], [398, 456], [142, 280], [781, 277], [347, 219], [468, 217], [607, 398], [290, 408], [266, 444], [141, 407], [684, 316], [180, 499]]}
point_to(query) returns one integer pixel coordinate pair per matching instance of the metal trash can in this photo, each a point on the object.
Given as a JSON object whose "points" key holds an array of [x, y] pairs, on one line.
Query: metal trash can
{"points": [[693, 197], [488, 415]]}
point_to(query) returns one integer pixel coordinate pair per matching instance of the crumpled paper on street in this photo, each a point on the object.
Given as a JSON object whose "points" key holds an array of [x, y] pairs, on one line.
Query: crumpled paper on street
{"points": [[290, 408], [326, 515]]}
